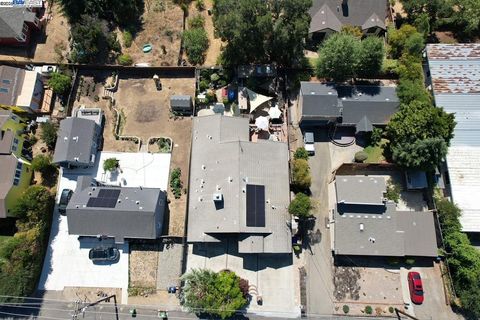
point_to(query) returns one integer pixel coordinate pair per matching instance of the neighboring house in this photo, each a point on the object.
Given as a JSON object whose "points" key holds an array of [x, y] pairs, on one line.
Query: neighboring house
{"points": [[360, 107], [114, 212], [181, 104], [453, 75], [20, 90], [238, 188], [329, 16], [78, 141], [17, 25], [367, 224], [15, 173]]}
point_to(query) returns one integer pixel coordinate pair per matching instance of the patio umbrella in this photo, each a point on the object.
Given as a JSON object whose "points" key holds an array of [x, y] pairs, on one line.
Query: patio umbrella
{"points": [[274, 112], [262, 123]]}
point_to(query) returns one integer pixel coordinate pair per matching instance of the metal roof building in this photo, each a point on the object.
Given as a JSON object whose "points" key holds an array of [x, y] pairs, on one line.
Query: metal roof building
{"points": [[454, 73]]}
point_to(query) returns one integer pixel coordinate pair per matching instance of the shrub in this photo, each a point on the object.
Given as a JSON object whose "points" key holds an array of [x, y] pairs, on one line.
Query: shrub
{"points": [[200, 5], [214, 77], [376, 136], [410, 261], [203, 85], [361, 156], [195, 42], [164, 145], [196, 22], [110, 164], [393, 192], [346, 308], [368, 310], [41, 163], [300, 206], [127, 38], [125, 59], [49, 134], [391, 309], [176, 183], [301, 178], [301, 153]]}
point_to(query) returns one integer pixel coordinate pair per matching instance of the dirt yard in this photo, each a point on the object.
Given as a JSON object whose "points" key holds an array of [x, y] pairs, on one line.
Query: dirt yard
{"points": [[162, 27], [215, 44], [147, 113]]}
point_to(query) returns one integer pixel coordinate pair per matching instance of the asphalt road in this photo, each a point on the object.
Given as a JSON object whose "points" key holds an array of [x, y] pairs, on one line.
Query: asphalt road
{"points": [[319, 258]]}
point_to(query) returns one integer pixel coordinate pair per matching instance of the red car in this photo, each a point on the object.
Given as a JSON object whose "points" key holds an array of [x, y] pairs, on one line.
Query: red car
{"points": [[416, 287]]}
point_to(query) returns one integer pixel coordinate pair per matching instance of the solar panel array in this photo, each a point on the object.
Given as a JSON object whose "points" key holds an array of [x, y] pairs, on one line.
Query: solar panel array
{"points": [[107, 198], [255, 205]]}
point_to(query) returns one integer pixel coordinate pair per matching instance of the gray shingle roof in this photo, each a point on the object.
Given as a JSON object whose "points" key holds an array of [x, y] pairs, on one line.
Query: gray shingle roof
{"points": [[76, 142], [11, 79], [138, 213], [333, 14], [351, 103], [380, 230], [224, 161], [12, 20]]}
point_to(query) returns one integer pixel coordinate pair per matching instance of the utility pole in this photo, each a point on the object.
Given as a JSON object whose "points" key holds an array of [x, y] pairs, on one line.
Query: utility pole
{"points": [[81, 309]]}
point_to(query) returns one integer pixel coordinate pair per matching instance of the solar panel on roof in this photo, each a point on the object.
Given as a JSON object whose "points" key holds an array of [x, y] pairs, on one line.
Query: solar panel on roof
{"points": [[107, 198], [255, 205]]}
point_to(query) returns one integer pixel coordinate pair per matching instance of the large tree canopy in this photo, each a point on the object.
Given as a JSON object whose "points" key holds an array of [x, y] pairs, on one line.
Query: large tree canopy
{"points": [[419, 135], [215, 294], [262, 30], [344, 56]]}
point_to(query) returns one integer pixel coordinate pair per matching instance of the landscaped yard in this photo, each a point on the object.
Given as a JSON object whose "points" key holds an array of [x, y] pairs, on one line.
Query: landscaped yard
{"points": [[375, 153]]}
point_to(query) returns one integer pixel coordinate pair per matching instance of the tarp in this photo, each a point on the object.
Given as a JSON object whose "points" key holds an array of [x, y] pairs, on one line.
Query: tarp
{"points": [[246, 96], [274, 112]]}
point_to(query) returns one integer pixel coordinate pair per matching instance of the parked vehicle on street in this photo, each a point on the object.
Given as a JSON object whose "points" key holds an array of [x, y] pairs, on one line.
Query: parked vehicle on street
{"points": [[104, 254], [64, 200], [309, 143], [415, 286]]}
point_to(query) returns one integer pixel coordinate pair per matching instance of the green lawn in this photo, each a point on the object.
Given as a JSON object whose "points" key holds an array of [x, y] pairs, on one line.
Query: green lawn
{"points": [[375, 153]]}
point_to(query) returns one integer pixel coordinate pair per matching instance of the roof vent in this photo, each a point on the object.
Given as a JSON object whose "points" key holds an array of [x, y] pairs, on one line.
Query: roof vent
{"points": [[217, 197], [75, 138], [66, 138], [137, 202], [218, 187], [93, 189], [141, 208], [203, 167], [76, 158], [200, 199], [230, 179], [372, 240], [361, 226], [119, 201], [330, 92], [89, 193], [387, 99], [77, 206]]}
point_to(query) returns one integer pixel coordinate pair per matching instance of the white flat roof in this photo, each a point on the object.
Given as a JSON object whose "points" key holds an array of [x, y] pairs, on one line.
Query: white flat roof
{"points": [[455, 77]]}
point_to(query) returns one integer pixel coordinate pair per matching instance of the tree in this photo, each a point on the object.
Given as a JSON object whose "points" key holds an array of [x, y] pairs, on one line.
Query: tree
{"points": [[214, 294], [422, 23], [33, 208], [361, 156], [301, 178], [467, 16], [352, 30], [60, 83], [414, 44], [127, 38], [398, 37], [259, 31], [419, 135], [300, 206], [411, 90], [110, 164], [195, 42], [370, 57], [49, 134], [90, 38], [41, 163], [337, 57], [301, 153], [196, 22]]}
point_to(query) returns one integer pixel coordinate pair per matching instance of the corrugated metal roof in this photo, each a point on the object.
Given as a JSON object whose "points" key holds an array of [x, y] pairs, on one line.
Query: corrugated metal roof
{"points": [[455, 75]]}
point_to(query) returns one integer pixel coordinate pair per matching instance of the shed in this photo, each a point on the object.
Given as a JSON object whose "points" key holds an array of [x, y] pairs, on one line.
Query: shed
{"points": [[181, 104]]}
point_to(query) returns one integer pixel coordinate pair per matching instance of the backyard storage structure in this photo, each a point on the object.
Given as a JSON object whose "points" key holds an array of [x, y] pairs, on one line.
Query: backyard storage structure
{"points": [[181, 104]]}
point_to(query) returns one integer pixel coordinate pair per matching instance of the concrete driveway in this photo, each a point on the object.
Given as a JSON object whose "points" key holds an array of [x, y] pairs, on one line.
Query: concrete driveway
{"points": [[434, 306], [319, 262], [67, 264], [270, 276]]}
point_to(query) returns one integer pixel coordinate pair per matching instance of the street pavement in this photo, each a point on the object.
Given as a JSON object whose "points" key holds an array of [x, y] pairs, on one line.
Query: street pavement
{"points": [[319, 263]]}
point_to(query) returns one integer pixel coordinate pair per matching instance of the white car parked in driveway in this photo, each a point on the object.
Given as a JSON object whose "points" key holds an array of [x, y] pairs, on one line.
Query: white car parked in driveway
{"points": [[309, 143]]}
